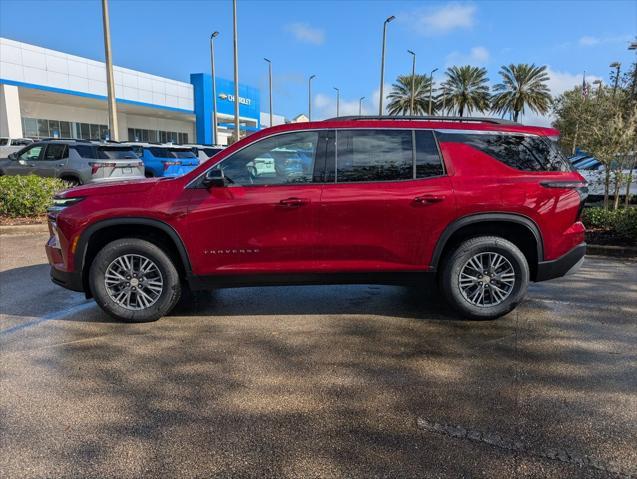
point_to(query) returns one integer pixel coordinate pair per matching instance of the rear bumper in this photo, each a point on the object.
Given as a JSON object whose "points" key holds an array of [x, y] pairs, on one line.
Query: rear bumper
{"points": [[566, 264]]}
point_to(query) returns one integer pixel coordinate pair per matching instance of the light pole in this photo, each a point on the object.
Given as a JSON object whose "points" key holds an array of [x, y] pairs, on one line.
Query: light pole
{"points": [[360, 105], [413, 82], [338, 100], [431, 86], [110, 82], [599, 87], [270, 86], [617, 66], [237, 131], [382, 65], [309, 97], [214, 87]]}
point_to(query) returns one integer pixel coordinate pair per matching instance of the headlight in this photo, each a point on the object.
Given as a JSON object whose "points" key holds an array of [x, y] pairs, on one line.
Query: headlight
{"points": [[61, 203]]}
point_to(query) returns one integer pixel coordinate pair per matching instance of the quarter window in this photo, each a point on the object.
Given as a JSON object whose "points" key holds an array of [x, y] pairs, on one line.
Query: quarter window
{"points": [[372, 155], [522, 152], [278, 160]]}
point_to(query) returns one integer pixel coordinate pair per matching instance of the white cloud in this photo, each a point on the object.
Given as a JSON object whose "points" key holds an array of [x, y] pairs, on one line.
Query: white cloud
{"points": [[306, 33], [440, 20], [324, 106], [587, 41], [476, 56]]}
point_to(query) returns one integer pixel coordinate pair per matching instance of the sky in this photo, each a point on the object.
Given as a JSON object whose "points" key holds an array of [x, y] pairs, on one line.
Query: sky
{"points": [[338, 41]]}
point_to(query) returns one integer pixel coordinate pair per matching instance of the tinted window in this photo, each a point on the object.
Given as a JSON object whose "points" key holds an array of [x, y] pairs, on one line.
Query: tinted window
{"points": [[55, 151], [4, 141], [160, 152], [428, 162], [86, 151], [114, 153], [526, 153], [210, 152], [278, 160], [180, 153], [374, 155]]}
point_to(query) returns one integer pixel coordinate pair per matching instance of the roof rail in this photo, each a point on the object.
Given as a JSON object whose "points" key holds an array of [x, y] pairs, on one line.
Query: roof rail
{"points": [[469, 119], [79, 140]]}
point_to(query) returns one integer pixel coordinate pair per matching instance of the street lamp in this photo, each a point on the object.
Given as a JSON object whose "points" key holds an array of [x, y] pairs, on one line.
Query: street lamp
{"points": [[110, 82], [309, 97], [270, 86], [431, 86], [214, 88], [237, 131], [599, 87], [338, 99], [382, 65], [413, 82], [360, 105], [617, 66]]}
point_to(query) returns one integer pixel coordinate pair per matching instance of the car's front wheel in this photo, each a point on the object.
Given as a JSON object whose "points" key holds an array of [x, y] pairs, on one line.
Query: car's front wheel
{"points": [[134, 280], [485, 277]]}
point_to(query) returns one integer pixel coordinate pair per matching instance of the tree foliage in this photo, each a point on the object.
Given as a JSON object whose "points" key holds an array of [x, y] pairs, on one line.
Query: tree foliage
{"points": [[466, 90], [522, 86]]}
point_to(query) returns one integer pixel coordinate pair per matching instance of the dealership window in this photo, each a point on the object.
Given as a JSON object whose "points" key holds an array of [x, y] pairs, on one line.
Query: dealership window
{"points": [[150, 136], [43, 128]]}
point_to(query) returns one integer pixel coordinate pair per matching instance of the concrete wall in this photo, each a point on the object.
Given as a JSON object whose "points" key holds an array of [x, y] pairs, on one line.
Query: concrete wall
{"points": [[10, 120]]}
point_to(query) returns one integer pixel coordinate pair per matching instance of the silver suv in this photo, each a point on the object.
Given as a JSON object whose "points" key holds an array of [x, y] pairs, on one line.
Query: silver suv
{"points": [[75, 161]]}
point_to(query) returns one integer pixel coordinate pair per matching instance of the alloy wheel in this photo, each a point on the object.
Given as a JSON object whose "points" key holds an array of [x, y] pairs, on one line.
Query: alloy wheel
{"points": [[487, 279], [134, 282]]}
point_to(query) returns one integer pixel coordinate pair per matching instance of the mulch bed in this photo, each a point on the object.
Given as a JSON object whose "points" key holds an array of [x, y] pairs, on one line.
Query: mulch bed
{"points": [[6, 221], [607, 238]]}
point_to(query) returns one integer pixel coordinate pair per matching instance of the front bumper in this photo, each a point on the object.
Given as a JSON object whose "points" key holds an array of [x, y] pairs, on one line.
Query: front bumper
{"points": [[565, 264]]}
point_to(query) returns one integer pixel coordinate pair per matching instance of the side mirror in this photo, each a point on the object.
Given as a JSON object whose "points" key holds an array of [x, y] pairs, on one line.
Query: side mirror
{"points": [[214, 178], [13, 156]]}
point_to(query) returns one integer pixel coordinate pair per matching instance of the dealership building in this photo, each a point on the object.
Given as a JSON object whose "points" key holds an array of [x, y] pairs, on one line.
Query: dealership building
{"points": [[45, 93]]}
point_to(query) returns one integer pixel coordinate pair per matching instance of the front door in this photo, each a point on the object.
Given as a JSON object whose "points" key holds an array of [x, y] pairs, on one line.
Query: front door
{"points": [[26, 161], [264, 219], [386, 203]]}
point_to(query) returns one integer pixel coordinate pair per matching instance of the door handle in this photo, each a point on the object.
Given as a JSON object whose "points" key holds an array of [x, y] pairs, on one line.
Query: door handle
{"points": [[429, 199], [292, 202]]}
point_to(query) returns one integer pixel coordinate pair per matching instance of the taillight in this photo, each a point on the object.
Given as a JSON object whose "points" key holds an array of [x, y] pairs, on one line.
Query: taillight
{"points": [[95, 166], [168, 164]]}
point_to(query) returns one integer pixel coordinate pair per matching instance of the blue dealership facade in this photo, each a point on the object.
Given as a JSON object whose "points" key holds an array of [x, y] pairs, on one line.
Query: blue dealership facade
{"points": [[47, 93]]}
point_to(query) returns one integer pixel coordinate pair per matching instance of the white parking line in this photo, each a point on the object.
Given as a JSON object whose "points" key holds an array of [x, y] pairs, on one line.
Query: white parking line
{"points": [[51, 316]]}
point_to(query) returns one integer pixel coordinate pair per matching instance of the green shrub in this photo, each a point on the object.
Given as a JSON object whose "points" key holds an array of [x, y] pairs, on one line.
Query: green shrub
{"points": [[27, 196], [622, 222]]}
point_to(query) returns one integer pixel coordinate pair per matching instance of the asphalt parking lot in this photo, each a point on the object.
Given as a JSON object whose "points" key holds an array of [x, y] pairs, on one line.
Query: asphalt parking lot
{"points": [[348, 381]]}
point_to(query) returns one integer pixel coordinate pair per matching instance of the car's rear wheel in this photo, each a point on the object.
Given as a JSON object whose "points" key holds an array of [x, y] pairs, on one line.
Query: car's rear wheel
{"points": [[485, 277], [134, 280]]}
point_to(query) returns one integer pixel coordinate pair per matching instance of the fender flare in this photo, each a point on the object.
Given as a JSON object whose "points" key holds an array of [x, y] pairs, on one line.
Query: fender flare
{"points": [[82, 246], [487, 218]]}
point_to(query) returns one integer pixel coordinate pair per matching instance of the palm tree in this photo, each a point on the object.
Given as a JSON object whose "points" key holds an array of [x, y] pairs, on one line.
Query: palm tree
{"points": [[522, 86], [466, 89], [400, 95]]}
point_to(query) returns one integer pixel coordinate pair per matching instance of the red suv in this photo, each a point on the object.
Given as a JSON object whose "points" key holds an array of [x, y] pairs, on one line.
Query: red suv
{"points": [[486, 205]]}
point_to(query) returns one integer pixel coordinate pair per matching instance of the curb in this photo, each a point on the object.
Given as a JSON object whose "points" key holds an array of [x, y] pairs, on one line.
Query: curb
{"points": [[24, 229], [616, 251]]}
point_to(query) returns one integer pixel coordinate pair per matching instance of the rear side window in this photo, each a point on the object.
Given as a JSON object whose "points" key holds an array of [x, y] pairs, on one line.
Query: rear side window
{"points": [[55, 151], [373, 155], [428, 161], [522, 152]]}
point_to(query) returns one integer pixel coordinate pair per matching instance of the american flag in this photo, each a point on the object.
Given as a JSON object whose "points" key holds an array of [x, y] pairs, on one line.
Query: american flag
{"points": [[584, 86]]}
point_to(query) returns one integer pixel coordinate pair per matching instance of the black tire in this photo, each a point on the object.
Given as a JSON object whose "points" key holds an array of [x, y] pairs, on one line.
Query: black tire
{"points": [[456, 261], [71, 181], [170, 290]]}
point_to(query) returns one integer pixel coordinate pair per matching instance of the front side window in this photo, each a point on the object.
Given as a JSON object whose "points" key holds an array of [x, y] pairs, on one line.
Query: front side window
{"points": [[55, 151], [522, 152], [373, 155], [31, 154], [282, 159]]}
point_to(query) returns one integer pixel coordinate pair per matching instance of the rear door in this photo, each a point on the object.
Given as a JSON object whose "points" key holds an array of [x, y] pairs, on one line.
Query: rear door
{"points": [[386, 201], [53, 161], [264, 220]]}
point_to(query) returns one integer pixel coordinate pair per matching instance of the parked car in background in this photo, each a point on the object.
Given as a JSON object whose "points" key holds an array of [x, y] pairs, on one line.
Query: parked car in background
{"points": [[594, 171], [75, 161], [9, 145], [205, 152], [165, 160], [482, 206]]}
